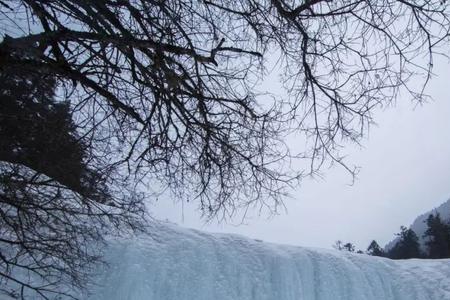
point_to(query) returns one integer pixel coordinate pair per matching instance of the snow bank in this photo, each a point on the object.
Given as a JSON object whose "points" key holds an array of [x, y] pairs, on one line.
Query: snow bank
{"points": [[183, 264]]}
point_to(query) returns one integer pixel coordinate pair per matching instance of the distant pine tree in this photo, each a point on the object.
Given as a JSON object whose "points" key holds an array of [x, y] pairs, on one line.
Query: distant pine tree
{"points": [[375, 250], [407, 246], [349, 247], [437, 237], [338, 245]]}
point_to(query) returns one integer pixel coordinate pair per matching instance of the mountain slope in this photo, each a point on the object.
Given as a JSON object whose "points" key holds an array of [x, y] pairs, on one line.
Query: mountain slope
{"points": [[183, 264], [419, 226]]}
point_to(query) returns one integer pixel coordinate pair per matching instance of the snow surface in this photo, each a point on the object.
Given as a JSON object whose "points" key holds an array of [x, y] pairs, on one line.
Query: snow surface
{"points": [[419, 225], [184, 264]]}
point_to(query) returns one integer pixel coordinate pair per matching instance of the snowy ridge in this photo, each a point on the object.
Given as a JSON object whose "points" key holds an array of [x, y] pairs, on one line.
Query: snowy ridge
{"points": [[183, 264], [419, 226]]}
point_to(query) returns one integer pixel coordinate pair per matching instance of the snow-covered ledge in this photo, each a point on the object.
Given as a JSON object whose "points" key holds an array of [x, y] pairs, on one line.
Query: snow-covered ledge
{"points": [[184, 264]]}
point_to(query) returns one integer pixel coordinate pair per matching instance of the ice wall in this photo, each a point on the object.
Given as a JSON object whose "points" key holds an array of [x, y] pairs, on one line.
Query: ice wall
{"points": [[182, 264]]}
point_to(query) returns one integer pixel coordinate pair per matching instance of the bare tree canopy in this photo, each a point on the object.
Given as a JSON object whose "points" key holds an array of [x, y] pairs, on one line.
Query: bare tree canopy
{"points": [[166, 92], [172, 81]]}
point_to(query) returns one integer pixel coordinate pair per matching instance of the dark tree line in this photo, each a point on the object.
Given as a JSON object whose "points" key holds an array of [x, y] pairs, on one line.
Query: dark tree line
{"points": [[102, 100], [436, 240], [437, 237], [407, 245]]}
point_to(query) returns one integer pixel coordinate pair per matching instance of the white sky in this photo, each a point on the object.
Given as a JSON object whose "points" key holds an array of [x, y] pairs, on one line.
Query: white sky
{"points": [[405, 171]]}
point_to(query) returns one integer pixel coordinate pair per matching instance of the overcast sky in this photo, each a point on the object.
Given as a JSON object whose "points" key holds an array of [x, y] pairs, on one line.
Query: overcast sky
{"points": [[405, 171]]}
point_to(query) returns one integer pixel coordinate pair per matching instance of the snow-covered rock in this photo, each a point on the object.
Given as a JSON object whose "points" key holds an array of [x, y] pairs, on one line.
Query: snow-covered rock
{"points": [[183, 264]]}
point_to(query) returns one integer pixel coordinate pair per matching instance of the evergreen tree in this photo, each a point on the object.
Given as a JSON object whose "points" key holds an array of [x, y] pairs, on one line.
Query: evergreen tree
{"points": [[437, 237], [349, 247], [374, 249], [56, 201], [37, 131], [338, 245], [407, 246]]}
